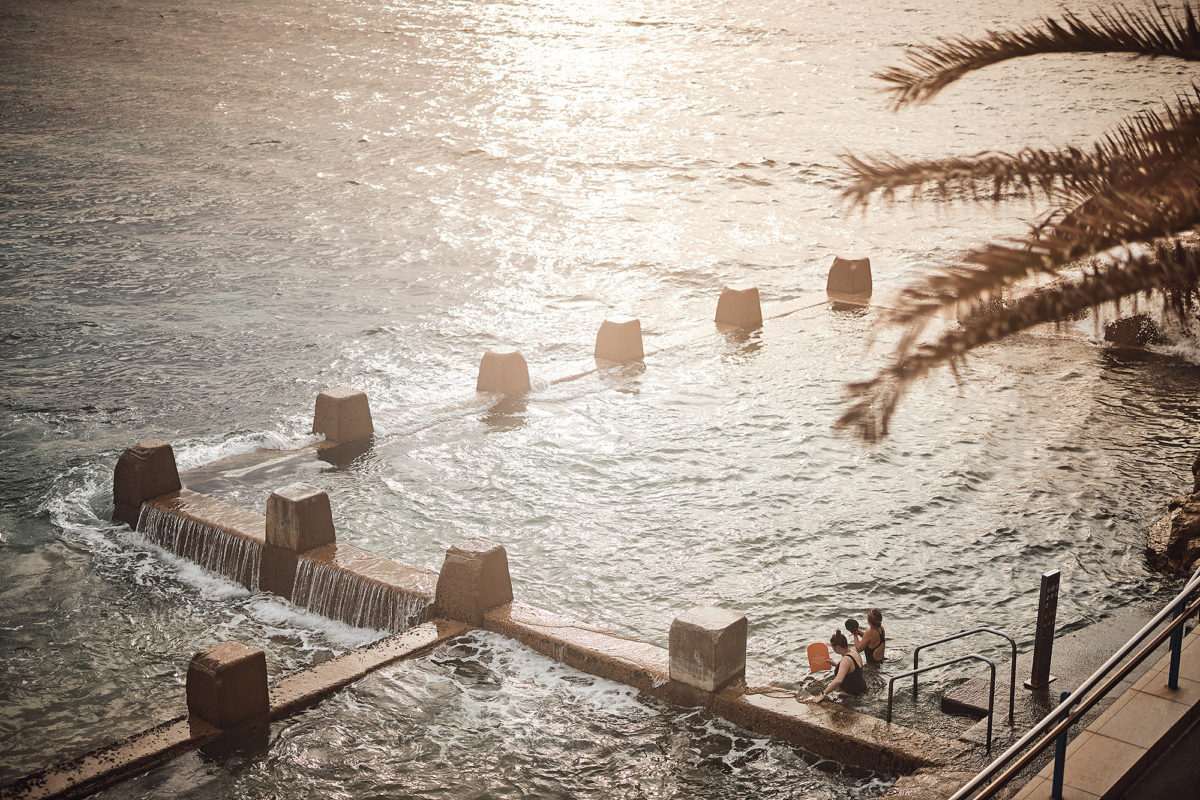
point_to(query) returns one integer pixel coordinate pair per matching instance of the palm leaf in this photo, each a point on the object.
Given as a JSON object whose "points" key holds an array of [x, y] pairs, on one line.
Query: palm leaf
{"points": [[1061, 174], [1154, 32], [1152, 204], [1171, 267]]}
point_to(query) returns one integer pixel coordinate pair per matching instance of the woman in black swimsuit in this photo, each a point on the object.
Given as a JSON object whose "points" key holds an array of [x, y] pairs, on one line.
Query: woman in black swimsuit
{"points": [[849, 676], [871, 643]]}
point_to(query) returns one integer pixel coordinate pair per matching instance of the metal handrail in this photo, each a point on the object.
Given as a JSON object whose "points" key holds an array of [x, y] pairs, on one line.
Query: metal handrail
{"points": [[968, 657], [1055, 722], [1012, 680]]}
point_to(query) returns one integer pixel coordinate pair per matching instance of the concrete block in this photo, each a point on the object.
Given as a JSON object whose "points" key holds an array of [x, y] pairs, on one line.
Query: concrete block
{"points": [[739, 307], [503, 370], [619, 341], [299, 518], [474, 579], [708, 648], [849, 276], [343, 415], [227, 685], [277, 571], [143, 471]]}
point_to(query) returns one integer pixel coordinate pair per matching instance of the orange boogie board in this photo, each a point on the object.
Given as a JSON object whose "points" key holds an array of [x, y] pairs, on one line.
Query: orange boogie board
{"points": [[818, 657]]}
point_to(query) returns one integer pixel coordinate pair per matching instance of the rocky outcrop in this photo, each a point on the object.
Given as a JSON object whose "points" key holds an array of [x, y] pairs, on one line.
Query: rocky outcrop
{"points": [[1136, 331], [1173, 543]]}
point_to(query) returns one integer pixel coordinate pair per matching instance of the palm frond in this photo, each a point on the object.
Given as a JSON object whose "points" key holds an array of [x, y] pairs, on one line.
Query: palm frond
{"points": [[1171, 267], [1061, 174], [1152, 32], [1156, 203]]}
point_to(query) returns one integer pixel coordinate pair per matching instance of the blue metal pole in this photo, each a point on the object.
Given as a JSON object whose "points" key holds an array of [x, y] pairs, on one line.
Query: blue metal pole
{"points": [[1176, 649], [1060, 753]]}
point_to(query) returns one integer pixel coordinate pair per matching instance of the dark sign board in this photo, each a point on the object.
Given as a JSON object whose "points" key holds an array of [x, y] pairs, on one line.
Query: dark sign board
{"points": [[1043, 643]]}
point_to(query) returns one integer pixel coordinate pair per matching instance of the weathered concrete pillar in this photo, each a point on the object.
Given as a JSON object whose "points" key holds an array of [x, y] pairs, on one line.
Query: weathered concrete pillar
{"points": [[299, 518], [503, 370], [708, 648], [739, 307], [619, 341], [343, 415], [227, 685], [849, 276], [474, 579], [143, 471]]}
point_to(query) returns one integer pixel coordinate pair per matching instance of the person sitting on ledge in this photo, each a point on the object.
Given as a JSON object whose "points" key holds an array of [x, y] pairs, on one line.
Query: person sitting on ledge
{"points": [[871, 643], [849, 677]]}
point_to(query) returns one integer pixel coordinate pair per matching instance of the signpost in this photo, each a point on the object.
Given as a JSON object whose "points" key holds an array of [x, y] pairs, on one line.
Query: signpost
{"points": [[1043, 643]]}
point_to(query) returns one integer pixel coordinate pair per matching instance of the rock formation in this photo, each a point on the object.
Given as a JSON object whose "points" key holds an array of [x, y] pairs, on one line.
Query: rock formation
{"points": [[1173, 543]]}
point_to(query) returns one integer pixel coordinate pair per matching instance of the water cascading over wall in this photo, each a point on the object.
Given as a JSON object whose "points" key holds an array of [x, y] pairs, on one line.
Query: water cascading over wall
{"points": [[354, 599], [217, 550]]}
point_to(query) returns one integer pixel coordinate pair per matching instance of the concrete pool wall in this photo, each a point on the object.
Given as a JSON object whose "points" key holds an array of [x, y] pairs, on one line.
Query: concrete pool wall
{"points": [[292, 550]]}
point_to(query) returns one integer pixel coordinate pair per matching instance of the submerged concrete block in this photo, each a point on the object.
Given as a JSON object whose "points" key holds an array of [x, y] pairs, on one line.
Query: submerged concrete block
{"points": [[503, 370], [143, 471], [708, 648], [849, 276], [474, 579], [343, 415], [620, 341], [299, 518], [227, 685], [739, 307]]}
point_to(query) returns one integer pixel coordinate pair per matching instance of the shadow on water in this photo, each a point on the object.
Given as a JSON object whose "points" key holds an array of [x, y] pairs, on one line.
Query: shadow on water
{"points": [[621, 377], [507, 413], [248, 742], [742, 342], [342, 456]]}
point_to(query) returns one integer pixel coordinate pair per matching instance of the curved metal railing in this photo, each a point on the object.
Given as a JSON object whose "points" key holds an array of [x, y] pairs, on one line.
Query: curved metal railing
{"points": [[939, 665], [1012, 680], [996, 775]]}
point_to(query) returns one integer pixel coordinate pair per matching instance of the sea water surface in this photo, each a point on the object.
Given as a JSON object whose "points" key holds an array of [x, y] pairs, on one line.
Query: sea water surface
{"points": [[210, 211]]}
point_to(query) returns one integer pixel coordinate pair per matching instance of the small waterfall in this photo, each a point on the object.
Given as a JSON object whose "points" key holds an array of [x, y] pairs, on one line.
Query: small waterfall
{"points": [[215, 549], [344, 596]]}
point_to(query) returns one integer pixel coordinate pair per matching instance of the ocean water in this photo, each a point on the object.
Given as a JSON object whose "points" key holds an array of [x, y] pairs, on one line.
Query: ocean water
{"points": [[210, 211]]}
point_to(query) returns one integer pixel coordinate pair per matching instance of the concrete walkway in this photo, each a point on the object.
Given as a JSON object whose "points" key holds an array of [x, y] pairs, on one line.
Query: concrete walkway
{"points": [[1120, 745]]}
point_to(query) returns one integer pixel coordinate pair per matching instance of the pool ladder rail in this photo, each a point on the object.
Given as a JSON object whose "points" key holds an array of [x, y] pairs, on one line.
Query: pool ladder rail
{"points": [[917, 670]]}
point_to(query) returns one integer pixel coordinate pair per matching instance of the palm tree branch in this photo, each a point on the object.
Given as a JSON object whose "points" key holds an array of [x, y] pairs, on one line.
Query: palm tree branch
{"points": [[1153, 32], [1171, 267], [1151, 205], [1147, 138]]}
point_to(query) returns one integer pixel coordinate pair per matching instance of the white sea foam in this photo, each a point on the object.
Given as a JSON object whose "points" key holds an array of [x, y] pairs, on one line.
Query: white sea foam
{"points": [[1188, 350], [306, 625], [527, 672], [192, 454]]}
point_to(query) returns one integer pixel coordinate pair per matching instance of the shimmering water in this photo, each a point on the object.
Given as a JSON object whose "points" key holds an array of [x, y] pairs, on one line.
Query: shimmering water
{"points": [[210, 211]]}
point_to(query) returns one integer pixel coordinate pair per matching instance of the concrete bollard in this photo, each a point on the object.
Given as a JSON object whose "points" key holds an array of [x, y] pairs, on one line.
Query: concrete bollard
{"points": [[739, 307], [474, 579], [227, 685], [342, 415], [299, 518], [619, 341], [503, 370], [849, 276], [143, 471], [708, 648]]}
